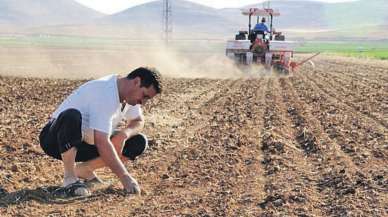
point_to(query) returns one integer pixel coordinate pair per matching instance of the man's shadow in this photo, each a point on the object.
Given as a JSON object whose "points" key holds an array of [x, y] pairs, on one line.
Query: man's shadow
{"points": [[47, 195]]}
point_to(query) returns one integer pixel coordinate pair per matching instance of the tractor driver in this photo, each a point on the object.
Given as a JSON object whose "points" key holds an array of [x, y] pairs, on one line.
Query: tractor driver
{"points": [[261, 28]]}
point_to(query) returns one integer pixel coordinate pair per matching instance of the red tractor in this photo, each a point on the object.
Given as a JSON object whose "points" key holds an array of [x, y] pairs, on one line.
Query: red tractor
{"points": [[263, 46]]}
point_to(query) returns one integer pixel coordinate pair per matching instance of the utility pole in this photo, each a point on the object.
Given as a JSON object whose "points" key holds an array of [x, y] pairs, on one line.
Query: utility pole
{"points": [[268, 4], [167, 20]]}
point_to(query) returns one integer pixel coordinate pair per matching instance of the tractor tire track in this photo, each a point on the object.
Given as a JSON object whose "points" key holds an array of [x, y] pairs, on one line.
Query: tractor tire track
{"points": [[358, 70], [374, 105], [356, 109], [329, 112], [248, 186], [176, 161], [351, 80], [315, 143], [370, 135], [345, 186], [288, 185], [366, 91]]}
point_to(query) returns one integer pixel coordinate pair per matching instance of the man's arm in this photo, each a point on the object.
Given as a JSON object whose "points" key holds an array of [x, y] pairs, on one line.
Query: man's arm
{"points": [[110, 157], [134, 127], [266, 28]]}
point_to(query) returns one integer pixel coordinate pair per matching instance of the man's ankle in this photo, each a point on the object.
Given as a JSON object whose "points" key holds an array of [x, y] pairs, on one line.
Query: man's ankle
{"points": [[69, 180], [83, 172], [87, 176], [93, 176]]}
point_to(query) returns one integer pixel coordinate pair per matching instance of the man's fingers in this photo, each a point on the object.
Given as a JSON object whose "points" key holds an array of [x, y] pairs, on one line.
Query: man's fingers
{"points": [[134, 190]]}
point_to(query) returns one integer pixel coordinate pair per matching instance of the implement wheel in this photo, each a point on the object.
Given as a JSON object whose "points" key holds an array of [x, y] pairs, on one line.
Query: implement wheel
{"points": [[280, 69]]}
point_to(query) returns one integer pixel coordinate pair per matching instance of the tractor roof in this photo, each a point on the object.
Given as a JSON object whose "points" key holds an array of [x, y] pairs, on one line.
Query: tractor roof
{"points": [[260, 12]]}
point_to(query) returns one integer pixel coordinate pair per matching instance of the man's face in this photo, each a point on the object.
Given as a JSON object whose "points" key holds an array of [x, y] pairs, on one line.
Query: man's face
{"points": [[140, 95]]}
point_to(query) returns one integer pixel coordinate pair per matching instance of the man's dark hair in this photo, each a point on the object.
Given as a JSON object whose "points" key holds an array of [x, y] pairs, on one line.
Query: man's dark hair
{"points": [[148, 77]]}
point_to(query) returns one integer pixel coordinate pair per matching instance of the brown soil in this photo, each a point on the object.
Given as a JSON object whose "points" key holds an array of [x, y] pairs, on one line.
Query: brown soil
{"points": [[311, 144]]}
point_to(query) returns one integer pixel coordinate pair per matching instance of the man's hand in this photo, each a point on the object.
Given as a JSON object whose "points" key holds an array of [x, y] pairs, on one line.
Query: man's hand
{"points": [[123, 135], [130, 185]]}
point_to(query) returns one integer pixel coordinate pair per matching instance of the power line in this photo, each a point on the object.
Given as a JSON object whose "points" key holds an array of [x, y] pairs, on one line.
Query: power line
{"points": [[167, 20]]}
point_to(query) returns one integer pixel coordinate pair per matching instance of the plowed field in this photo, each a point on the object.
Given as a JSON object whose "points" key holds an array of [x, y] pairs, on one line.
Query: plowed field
{"points": [[311, 144]]}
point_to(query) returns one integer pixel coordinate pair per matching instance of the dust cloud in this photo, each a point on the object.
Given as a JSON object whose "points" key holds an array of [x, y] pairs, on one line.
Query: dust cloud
{"points": [[87, 63], [174, 63]]}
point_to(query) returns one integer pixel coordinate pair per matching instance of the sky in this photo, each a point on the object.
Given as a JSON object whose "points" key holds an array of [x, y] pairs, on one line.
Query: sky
{"points": [[113, 6]]}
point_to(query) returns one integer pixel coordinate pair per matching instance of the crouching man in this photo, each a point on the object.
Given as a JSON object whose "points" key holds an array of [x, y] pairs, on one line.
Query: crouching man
{"points": [[84, 129]]}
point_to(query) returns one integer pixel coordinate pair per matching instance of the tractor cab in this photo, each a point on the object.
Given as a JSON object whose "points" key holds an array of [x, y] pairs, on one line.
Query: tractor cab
{"points": [[259, 15], [261, 45]]}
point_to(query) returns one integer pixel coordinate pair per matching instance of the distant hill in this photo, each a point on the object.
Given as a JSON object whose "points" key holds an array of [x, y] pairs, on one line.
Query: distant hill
{"points": [[186, 17], [295, 14], [359, 13], [298, 14], [44, 12], [299, 18], [302, 13]]}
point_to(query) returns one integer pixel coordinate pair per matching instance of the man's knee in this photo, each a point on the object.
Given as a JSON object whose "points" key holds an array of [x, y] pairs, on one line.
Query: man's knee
{"points": [[135, 146], [71, 116], [67, 128]]}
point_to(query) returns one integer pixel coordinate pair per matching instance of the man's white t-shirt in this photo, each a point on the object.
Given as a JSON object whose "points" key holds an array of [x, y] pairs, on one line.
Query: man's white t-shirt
{"points": [[100, 107]]}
